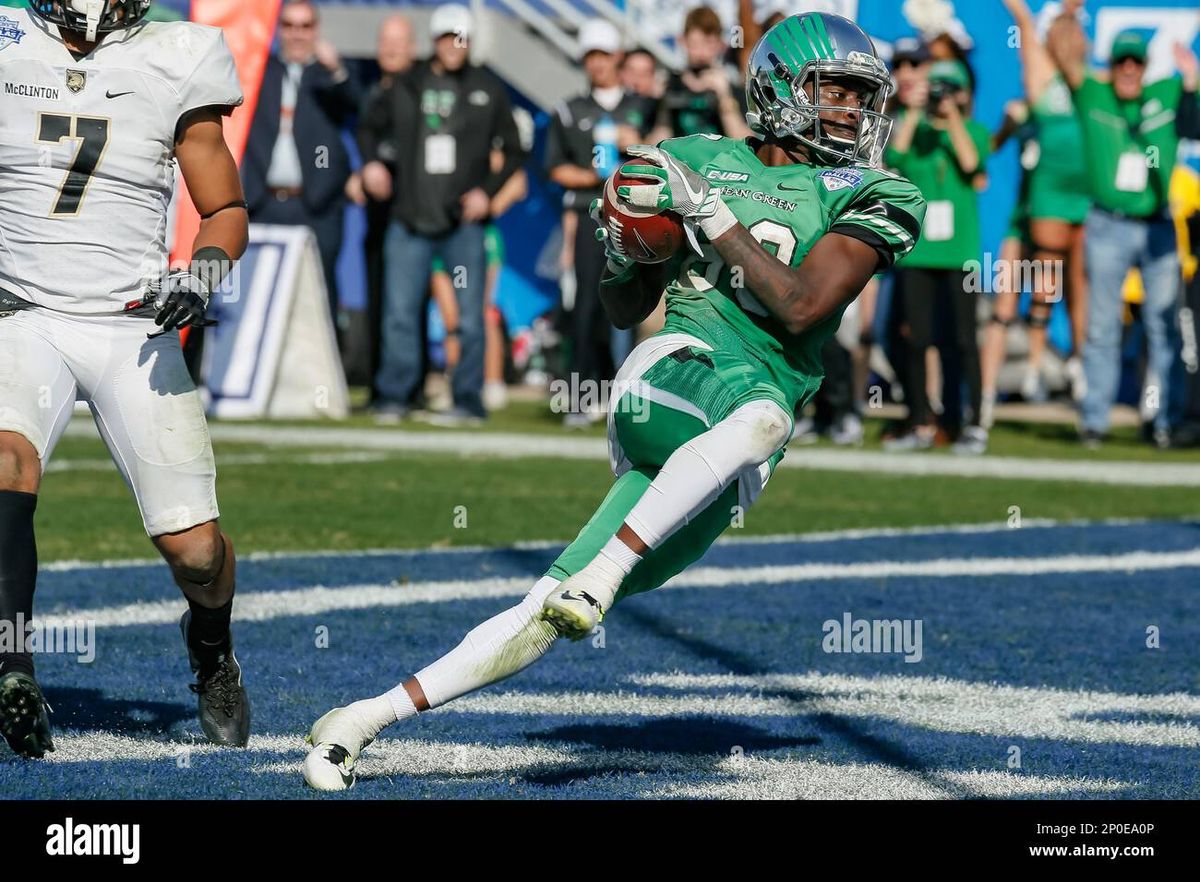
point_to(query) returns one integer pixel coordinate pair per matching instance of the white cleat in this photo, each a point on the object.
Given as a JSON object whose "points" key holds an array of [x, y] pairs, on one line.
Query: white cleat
{"points": [[338, 738], [578, 605]]}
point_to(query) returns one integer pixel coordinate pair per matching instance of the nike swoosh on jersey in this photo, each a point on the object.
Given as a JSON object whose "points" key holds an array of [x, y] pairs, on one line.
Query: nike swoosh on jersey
{"points": [[111, 94]]}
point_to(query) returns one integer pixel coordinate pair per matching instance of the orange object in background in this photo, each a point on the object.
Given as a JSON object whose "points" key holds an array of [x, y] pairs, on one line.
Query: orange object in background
{"points": [[249, 29]]}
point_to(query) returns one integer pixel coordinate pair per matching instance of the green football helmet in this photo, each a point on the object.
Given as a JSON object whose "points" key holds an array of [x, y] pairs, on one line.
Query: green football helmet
{"points": [[787, 70]]}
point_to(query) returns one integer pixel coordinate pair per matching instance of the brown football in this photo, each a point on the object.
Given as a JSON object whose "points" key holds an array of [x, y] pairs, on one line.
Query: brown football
{"points": [[639, 233]]}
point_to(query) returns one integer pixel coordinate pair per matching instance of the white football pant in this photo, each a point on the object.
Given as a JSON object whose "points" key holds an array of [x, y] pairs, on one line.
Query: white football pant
{"points": [[141, 396]]}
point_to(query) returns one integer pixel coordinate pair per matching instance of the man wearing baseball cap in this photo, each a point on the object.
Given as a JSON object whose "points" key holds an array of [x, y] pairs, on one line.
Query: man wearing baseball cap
{"points": [[1131, 132], [587, 140], [443, 118]]}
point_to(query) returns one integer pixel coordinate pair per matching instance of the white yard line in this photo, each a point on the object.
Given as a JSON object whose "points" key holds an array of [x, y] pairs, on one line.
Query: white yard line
{"points": [[944, 704], [955, 706], [542, 544], [512, 445], [315, 600]]}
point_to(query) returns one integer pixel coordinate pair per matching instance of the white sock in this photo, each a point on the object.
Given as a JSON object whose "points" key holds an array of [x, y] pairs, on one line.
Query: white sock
{"points": [[399, 704], [698, 472], [492, 651], [621, 554]]}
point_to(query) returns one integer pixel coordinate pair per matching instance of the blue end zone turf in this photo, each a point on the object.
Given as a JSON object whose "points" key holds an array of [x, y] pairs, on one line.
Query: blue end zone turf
{"points": [[1026, 685]]}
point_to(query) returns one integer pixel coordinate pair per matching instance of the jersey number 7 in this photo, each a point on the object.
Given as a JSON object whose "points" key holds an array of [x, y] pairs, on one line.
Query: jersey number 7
{"points": [[92, 134]]}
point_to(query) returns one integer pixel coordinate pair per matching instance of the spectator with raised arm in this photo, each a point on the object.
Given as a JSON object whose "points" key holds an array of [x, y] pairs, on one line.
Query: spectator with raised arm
{"points": [[1058, 200], [1131, 132]]}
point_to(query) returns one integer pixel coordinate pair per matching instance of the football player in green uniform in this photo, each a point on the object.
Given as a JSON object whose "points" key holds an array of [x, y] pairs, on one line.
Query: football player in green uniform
{"points": [[787, 228]]}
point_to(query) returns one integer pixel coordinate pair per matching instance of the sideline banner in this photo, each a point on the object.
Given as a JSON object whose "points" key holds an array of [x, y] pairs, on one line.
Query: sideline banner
{"points": [[274, 352]]}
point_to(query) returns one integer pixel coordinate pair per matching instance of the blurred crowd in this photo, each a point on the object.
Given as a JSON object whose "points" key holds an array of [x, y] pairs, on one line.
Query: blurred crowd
{"points": [[444, 154]]}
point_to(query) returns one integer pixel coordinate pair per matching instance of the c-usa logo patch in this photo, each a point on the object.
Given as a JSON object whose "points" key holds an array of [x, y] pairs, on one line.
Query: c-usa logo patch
{"points": [[10, 32], [840, 178]]}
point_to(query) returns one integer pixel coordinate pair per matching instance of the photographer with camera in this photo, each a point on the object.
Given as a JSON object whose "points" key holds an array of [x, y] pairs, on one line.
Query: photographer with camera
{"points": [[706, 97], [941, 150]]}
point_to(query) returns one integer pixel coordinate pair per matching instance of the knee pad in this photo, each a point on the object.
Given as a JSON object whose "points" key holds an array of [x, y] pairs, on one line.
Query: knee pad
{"points": [[766, 428], [1039, 318], [1041, 252]]}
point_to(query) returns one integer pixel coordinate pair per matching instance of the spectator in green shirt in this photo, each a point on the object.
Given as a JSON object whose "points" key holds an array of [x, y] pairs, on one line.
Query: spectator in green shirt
{"points": [[1058, 198], [1131, 133], [941, 150]]}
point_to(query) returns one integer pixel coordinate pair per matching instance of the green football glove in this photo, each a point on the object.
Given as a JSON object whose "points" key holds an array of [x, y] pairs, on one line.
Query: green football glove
{"points": [[678, 188], [673, 187]]}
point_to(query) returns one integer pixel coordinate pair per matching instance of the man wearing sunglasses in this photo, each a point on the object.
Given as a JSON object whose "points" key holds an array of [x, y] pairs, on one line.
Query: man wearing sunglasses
{"points": [[296, 168], [1131, 132]]}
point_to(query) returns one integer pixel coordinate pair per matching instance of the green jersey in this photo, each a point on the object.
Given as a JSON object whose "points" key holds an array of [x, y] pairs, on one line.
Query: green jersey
{"points": [[951, 233], [1131, 145], [787, 209], [1059, 187]]}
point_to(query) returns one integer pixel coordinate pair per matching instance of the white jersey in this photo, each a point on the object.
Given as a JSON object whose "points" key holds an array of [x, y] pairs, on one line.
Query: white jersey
{"points": [[87, 154]]}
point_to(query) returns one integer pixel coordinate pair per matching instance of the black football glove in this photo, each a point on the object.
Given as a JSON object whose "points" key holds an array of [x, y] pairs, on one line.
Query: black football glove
{"points": [[181, 300]]}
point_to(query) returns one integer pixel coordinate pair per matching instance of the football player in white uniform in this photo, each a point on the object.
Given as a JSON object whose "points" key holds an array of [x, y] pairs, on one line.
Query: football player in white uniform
{"points": [[97, 109]]}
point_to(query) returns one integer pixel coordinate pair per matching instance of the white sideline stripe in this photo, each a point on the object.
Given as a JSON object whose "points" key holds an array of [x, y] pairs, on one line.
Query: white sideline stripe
{"points": [[541, 544], [318, 599], [748, 776], [511, 445], [518, 445], [235, 459], [1007, 468]]}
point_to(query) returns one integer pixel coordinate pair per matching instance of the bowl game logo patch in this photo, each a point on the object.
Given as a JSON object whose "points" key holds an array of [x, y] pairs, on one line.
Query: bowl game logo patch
{"points": [[840, 178], [10, 32]]}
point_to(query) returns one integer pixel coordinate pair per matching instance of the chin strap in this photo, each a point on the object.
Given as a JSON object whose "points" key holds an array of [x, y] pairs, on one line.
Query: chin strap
{"points": [[94, 10]]}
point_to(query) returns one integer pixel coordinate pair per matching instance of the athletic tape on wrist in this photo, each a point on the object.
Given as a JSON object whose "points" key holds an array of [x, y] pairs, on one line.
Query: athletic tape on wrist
{"points": [[719, 223]]}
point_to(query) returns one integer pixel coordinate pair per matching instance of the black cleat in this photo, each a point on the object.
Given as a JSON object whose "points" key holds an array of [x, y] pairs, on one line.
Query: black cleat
{"points": [[23, 718], [224, 705]]}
